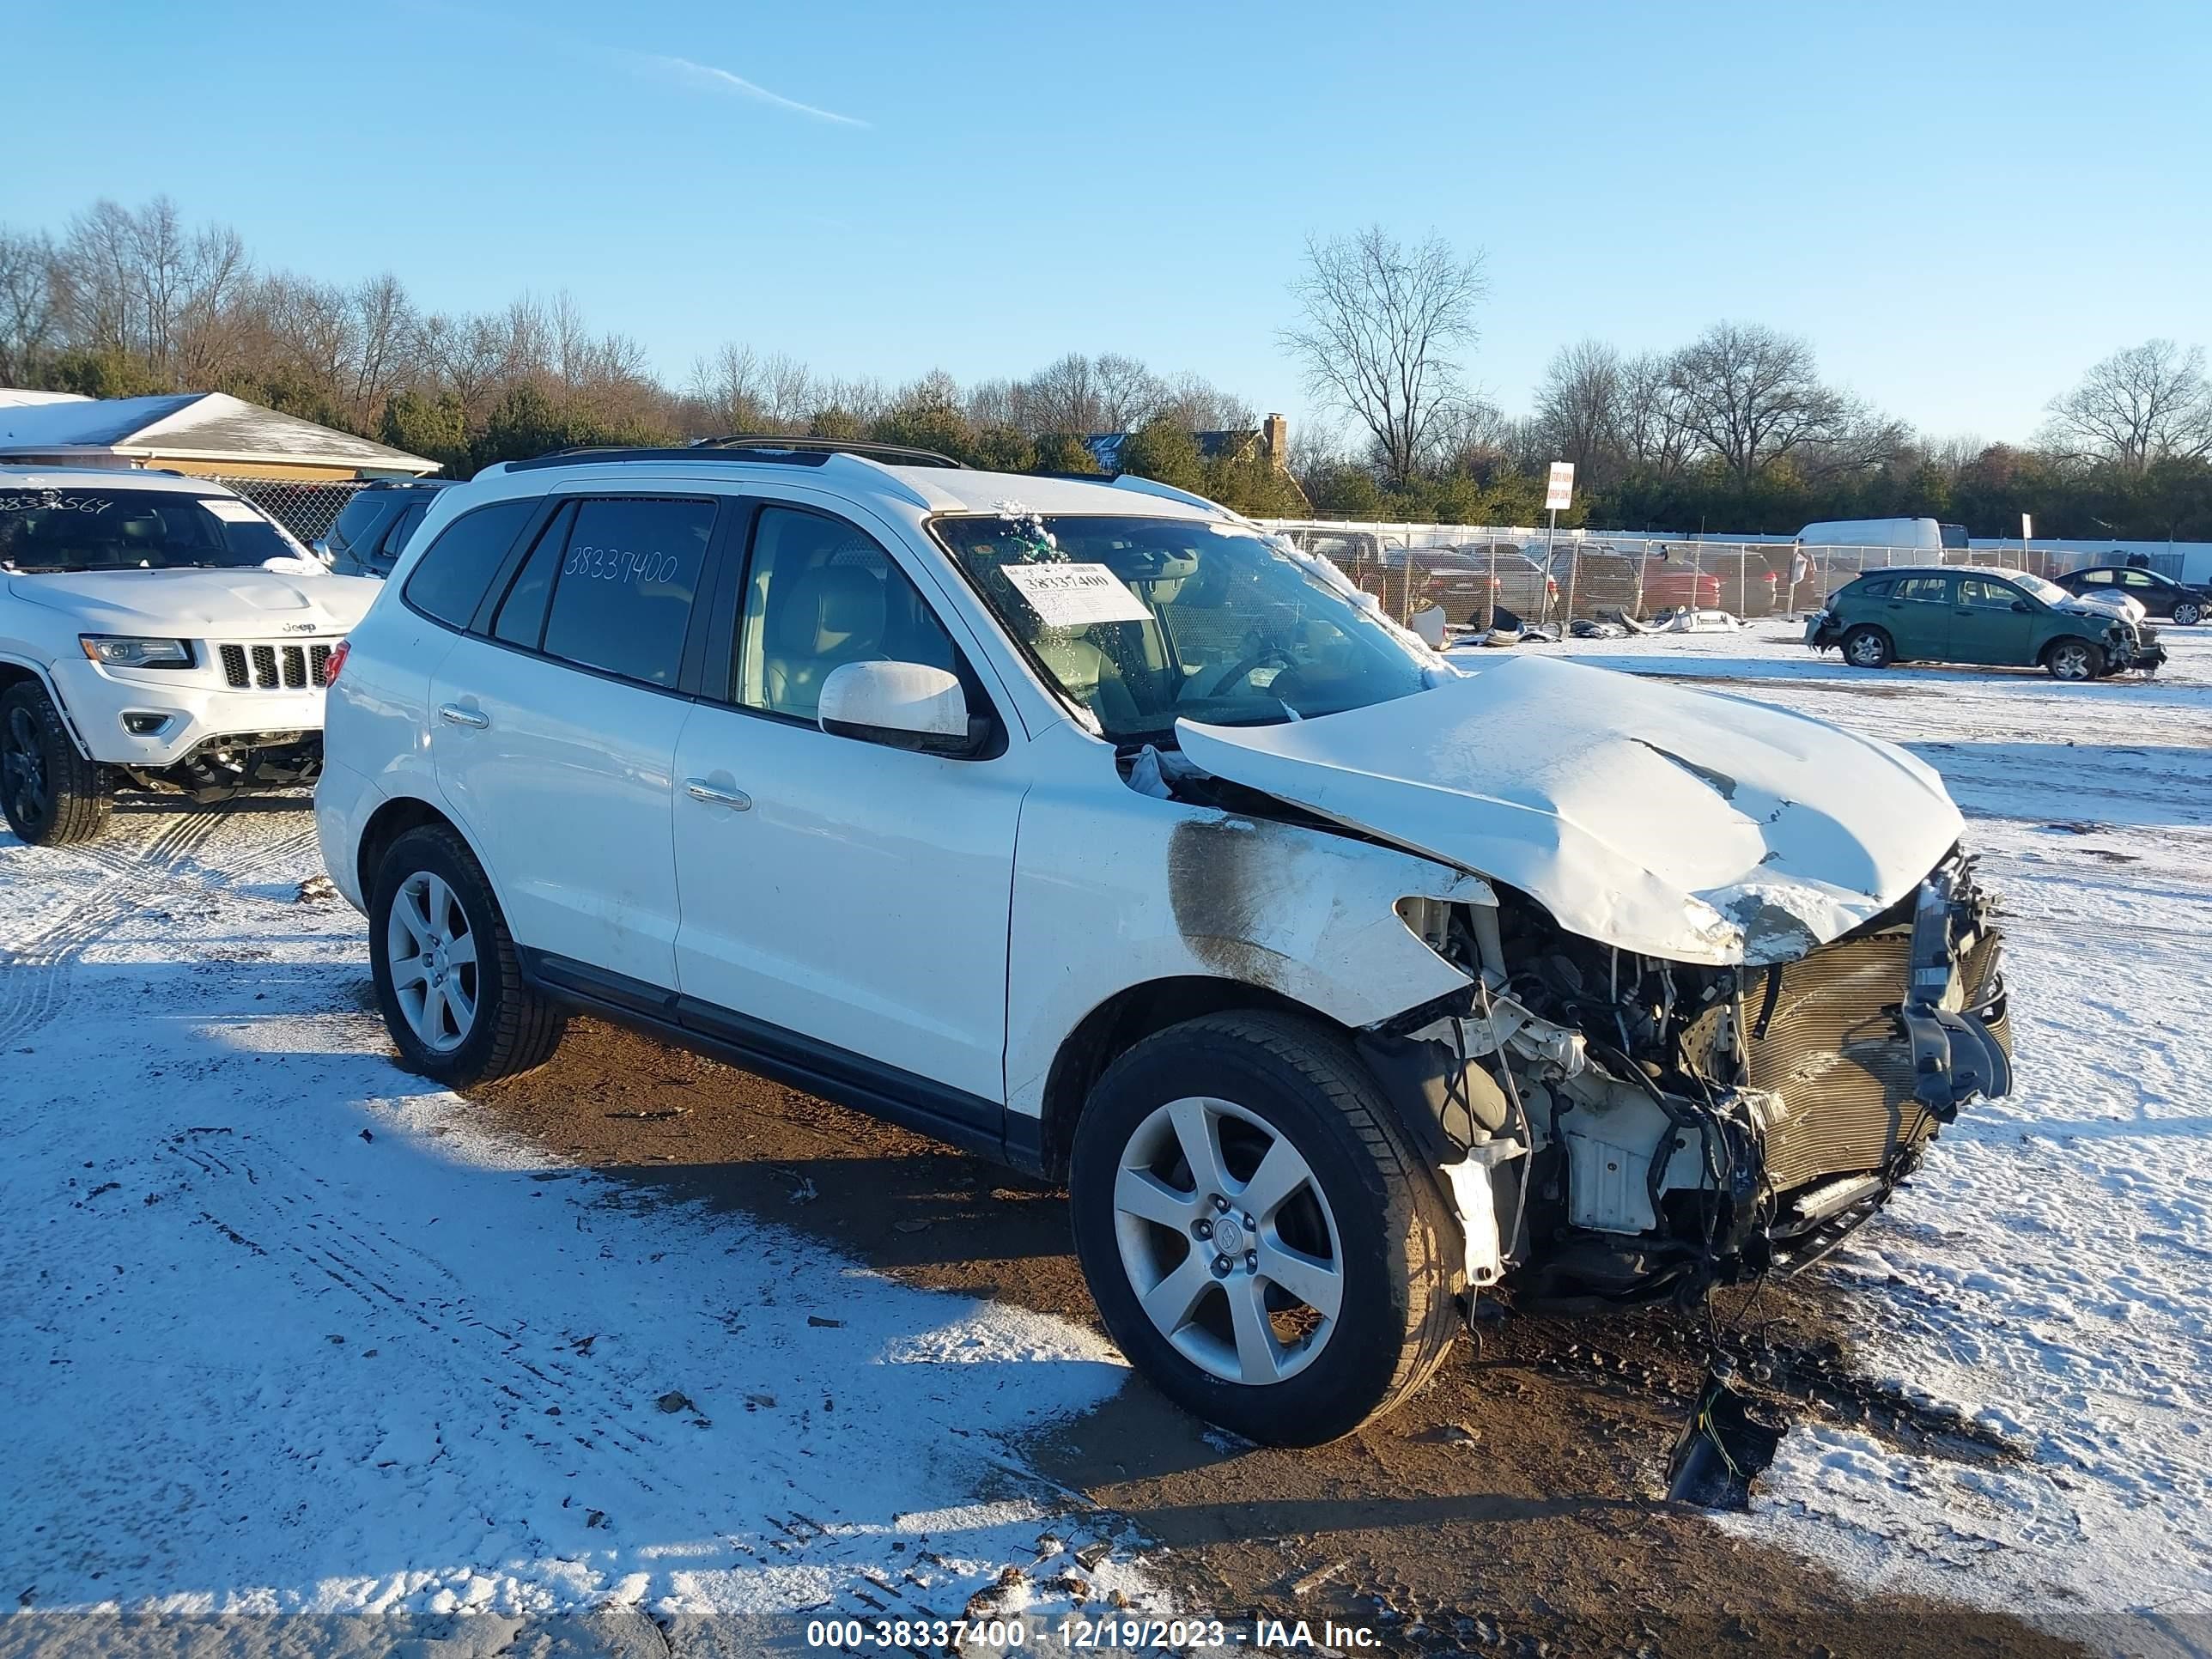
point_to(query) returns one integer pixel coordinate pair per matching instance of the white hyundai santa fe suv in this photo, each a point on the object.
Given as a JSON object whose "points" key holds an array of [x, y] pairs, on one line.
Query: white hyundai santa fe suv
{"points": [[1092, 829], [158, 633]]}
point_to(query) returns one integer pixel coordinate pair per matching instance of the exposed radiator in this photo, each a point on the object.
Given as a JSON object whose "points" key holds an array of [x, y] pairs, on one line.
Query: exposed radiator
{"points": [[1834, 1053]]}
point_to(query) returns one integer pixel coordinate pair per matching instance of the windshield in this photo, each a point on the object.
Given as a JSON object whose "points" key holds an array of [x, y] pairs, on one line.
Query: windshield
{"points": [[2049, 592], [1147, 621], [125, 529]]}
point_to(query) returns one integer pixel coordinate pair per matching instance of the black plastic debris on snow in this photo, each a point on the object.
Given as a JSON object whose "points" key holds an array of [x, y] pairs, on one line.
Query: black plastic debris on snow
{"points": [[1729, 1441]]}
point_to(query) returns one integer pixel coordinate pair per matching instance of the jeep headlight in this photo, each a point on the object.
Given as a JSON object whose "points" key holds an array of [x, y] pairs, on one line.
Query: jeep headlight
{"points": [[128, 651]]}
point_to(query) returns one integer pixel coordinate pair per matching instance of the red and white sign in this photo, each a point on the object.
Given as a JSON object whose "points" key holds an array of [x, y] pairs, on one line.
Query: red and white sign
{"points": [[1560, 492]]}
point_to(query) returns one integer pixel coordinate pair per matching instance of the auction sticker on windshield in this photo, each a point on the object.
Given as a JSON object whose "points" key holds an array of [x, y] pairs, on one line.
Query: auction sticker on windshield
{"points": [[1076, 595], [228, 511]]}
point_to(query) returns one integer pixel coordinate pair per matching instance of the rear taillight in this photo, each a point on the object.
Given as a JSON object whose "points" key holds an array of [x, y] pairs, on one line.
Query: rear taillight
{"points": [[337, 661]]}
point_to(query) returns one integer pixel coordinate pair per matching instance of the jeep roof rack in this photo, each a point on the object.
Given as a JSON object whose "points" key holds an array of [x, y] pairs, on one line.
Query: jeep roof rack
{"points": [[745, 447]]}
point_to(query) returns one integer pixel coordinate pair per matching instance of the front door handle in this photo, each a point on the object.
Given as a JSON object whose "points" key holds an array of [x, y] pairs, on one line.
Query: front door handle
{"points": [[454, 714], [700, 789]]}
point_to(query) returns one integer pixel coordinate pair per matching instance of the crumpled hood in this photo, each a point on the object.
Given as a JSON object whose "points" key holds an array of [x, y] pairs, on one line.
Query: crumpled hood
{"points": [[242, 604], [1673, 822]]}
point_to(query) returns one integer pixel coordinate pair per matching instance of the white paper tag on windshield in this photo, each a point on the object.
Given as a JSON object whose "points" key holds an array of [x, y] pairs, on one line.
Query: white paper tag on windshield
{"points": [[1076, 595], [228, 511]]}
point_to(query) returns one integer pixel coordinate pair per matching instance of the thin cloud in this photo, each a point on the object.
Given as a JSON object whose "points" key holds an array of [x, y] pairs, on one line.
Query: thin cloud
{"points": [[706, 77]]}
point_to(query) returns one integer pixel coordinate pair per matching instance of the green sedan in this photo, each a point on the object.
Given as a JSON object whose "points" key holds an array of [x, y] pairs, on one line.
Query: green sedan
{"points": [[2006, 618]]}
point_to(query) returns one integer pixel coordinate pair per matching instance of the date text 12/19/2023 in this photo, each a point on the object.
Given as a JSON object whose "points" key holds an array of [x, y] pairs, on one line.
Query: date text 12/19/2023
{"points": [[1077, 1635]]}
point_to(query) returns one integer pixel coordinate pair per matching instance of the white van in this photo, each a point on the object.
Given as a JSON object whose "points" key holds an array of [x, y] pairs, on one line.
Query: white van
{"points": [[1925, 534]]}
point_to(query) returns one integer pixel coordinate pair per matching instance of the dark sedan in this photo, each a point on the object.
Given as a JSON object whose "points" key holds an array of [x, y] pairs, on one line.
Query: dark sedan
{"points": [[2185, 603]]}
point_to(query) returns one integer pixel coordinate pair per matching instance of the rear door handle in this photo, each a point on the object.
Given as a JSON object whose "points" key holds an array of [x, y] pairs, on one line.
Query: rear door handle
{"points": [[700, 789], [454, 714]]}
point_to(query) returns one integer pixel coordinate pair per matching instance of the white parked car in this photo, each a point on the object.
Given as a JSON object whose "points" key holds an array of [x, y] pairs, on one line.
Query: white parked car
{"points": [[1091, 829], [156, 633]]}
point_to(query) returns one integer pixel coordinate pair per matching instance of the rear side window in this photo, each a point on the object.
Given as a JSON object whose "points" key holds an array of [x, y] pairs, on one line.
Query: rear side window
{"points": [[448, 582], [395, 539], [1928, 590], [356, 519], [1877, 588], [2100, 578], [629, 576]]}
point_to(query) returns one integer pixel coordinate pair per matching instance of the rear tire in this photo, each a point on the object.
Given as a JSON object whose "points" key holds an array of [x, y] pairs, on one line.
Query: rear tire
{"points": [[1359, 1310], [1867, 647], [53, 796], [448, 980], [2074, 660]]}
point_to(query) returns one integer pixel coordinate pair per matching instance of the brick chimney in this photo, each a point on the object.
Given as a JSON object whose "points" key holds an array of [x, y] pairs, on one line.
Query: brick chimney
{"points": [[1275, 442]]}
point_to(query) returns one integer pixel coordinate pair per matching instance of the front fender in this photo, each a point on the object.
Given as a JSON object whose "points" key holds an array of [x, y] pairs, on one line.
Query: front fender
{"points": [[1128, 890]]}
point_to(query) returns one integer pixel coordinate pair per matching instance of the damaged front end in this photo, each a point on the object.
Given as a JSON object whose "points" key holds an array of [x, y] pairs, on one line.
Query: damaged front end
{"points": [[1616, 1125]]}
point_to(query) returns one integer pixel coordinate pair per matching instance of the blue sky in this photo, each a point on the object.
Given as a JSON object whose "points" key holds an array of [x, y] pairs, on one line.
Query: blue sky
{"points": [[1963, 205]]}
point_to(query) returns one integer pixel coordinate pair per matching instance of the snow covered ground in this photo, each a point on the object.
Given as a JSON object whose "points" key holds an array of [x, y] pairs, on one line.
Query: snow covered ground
{"points": [[2049, 1270], [284, 1330]]}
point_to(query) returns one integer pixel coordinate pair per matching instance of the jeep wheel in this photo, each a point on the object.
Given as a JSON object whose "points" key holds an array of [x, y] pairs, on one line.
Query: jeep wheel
{"points": [[1257, 1230], [2187, 613], [447, 978], [1867, 647], [51, 794], [2075, 659]]}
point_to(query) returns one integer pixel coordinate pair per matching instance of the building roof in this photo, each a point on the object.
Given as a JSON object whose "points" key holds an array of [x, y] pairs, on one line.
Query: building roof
{"points": [[10, 396], [196, 426], [1212, 445]]}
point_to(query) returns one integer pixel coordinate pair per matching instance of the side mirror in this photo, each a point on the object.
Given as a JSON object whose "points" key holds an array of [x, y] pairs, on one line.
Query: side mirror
{"points": [[2022, 606], [321, 549], [901, 705]]}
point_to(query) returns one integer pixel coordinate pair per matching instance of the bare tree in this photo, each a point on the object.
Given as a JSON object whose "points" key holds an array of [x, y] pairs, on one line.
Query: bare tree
{"points": [[1129, 394], [1750, 394], [30, 303], [1578, 407], [1381, 324], [1652, 435], [2149, 403]]}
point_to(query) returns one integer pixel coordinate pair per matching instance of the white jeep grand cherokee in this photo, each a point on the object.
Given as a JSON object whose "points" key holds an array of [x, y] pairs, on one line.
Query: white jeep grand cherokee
{"points": [[156, 632], [1090, 828]]}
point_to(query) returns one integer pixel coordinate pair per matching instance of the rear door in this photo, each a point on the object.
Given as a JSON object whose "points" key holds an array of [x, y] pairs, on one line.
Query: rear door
{"points": [[1917, 614], [555, 723]]}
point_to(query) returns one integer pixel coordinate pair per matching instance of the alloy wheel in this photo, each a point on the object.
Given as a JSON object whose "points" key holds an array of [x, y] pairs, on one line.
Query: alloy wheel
{"points": [[433, 953], [1866, 651], [1228, 1240], [23, 768], [2187, 615], [2071, 662]]}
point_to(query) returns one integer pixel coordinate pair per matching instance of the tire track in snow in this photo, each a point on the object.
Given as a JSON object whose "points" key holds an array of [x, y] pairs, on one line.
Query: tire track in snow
{"points": [[35, 976], [564, 1392]]}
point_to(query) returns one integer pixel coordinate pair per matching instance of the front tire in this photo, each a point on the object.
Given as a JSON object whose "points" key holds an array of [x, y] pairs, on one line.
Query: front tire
{"points": [[2188, 613], [1867, 647], [53, 796], [2075, 660], [1257, 1230], [448, 980]]}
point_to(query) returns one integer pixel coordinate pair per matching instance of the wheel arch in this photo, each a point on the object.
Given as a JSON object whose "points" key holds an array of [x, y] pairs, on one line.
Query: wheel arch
{"points": [[394, 819], [1126, 1019], [17, 670]]}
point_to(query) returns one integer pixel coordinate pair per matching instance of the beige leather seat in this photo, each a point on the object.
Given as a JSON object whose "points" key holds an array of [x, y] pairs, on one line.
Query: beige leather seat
{"points": [[828, 616]]}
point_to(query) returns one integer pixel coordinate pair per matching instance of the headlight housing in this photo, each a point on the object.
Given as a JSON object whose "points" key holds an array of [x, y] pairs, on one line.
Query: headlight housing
{"points": [[130, 651]]}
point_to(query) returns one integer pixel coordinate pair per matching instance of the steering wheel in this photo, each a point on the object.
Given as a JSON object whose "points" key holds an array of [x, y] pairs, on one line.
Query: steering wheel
{"points": [[1236, 672]]}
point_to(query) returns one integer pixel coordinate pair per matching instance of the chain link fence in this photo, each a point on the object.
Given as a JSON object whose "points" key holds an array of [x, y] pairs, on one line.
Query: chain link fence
{"points": [[306, 510], [1472, 573]]}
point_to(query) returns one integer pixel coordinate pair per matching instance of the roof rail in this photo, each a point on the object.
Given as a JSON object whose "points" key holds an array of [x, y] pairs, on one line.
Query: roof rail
{"points": [[1170, 493], [759, 446]]}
